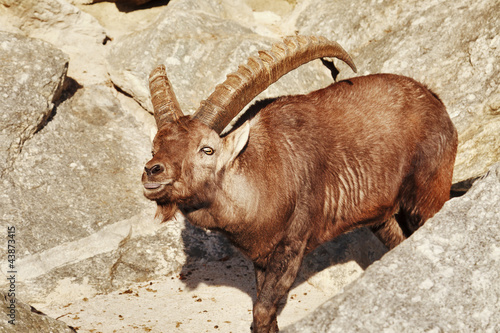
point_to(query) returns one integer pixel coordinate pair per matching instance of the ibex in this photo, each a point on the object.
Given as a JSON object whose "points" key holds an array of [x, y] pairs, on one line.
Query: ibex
{"points": [[375, 151]]}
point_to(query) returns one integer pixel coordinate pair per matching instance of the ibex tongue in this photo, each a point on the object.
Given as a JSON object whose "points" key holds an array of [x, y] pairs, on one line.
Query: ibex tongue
{"points": [[151, 186]]}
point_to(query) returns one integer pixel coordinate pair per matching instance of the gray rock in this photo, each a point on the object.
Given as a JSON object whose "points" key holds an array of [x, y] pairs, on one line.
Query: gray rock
{"points": [[191, 38], [32, 76], [24, 318], [442, 279], [31, 80]]}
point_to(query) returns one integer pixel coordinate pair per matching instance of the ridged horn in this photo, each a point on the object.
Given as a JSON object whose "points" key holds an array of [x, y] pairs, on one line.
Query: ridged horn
{"points": [[240, 87], [165, 105]]}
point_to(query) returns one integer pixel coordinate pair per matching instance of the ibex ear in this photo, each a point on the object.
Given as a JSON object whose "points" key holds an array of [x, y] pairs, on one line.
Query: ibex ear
{"points": [[236, 141]]}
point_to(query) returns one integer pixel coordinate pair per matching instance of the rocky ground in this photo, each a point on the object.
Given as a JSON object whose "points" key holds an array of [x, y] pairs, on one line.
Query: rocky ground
{"points": [[212, 297], [74, 136]]}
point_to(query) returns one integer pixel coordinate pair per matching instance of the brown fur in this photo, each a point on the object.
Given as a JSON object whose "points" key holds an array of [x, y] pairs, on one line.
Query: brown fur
{"points": [[373, 151]]}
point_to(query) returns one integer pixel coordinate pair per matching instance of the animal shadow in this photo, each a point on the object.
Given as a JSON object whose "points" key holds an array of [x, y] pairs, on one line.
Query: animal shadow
{"points": [[212, 260]]}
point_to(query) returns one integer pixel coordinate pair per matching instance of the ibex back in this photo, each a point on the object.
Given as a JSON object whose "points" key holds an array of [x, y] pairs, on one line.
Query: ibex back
{"points": [[374, 151]]}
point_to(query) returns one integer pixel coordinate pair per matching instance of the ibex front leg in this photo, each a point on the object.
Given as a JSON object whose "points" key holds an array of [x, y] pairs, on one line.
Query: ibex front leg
{"points": [[274, 282]]}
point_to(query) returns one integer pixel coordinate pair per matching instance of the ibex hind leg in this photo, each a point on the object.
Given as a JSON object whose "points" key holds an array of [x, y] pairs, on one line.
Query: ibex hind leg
{"points": [[425, 194], [389, 232], [404, 223]]}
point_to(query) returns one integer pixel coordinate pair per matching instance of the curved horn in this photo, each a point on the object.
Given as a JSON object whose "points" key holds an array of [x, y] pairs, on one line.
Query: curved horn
{"points": [[240, 87], [165, 105]]}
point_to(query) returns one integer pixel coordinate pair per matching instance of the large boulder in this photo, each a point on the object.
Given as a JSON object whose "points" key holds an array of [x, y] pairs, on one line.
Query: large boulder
{"points": [[443, 279], [31, 81], [33, 74]]}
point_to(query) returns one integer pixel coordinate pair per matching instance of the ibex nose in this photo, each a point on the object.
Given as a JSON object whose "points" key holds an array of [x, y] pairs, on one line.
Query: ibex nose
{"points": [[155, 169]]}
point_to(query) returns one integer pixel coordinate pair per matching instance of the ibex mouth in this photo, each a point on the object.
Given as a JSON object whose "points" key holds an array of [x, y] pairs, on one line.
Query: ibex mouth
{"points": [[156, 185], [152, 186], [154, 190]]}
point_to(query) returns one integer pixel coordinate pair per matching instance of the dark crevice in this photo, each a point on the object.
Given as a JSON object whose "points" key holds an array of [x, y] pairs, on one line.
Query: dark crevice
{"points": [[49, 118], [121, 91], [70, 87], [331, 66], [460, 188], [106, 40], [130, 5]]}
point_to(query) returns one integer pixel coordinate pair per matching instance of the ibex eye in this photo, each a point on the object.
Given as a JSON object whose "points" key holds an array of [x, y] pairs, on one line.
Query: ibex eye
{"points": [[208, 150]]}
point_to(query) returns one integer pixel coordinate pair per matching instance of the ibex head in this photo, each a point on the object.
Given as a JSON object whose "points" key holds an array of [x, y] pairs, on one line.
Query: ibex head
{"points": [[188, 153]]}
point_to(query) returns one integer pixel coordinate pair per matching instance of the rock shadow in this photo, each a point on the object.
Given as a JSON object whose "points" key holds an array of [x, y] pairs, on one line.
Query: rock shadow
{"points": [[69, 88], [460, 188], [130, 5]]}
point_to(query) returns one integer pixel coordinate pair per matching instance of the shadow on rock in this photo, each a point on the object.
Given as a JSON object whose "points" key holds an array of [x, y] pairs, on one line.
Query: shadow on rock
{"points": [[131, 5], [460, 188]]}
